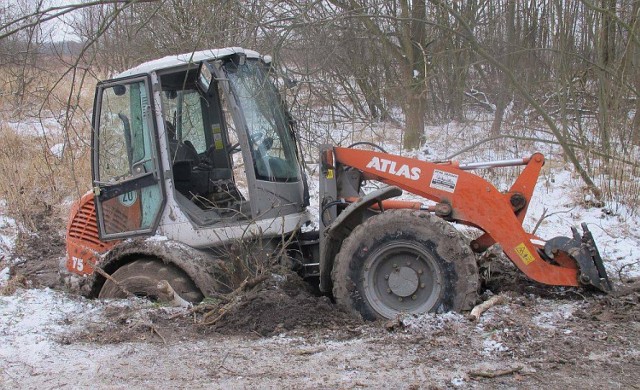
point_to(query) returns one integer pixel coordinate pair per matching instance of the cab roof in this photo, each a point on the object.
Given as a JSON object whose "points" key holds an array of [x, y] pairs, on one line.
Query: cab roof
{"points": [[182, 59]]}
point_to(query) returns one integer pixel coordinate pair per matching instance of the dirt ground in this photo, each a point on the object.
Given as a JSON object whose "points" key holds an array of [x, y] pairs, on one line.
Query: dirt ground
{"points": [[280, 335], [38, 254]]}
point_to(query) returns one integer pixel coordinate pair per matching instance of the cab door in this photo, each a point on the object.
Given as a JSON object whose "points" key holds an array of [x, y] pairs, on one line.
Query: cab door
{"points": [[127, 181]]}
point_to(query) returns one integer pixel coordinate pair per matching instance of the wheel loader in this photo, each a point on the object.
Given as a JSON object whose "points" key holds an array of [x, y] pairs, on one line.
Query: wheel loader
{"points": [[194, 155]]}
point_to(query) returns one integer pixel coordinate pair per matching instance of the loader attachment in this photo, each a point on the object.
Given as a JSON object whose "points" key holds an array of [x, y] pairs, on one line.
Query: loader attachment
{"points": [[583, 251], [466, 198]]}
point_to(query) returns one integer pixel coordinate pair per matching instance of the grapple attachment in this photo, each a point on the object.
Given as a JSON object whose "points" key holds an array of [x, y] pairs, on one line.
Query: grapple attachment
{"points": [[583, 250]]}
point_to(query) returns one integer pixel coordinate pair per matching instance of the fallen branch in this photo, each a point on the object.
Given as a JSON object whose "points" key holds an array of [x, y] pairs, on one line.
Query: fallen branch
{"points": [[155, 330], [484, 306], [495, 373], [109, 277], [235, 299], [310, 351], [174, 299], [249, 284]]}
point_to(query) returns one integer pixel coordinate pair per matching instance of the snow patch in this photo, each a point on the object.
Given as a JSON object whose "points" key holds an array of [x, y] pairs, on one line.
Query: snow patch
{"points": [[490, 346], [57, 150], [458, 382], [430, 322], [37, 126], [30, 318], [617, 234], [5, 275], [8, 234], [157, 238], [550, 319]]}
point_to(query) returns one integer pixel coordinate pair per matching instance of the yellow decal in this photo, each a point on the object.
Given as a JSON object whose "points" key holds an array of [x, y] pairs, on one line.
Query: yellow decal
{"points": [[329, 173], [217, 136], [525, 255]]}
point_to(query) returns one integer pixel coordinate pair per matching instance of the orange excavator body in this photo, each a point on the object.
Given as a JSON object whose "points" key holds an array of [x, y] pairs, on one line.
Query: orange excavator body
{"points": [[469, 199]]}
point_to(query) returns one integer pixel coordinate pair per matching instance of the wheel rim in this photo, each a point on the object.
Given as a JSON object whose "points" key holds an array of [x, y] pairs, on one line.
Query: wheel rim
{"points": [[402, 277]]}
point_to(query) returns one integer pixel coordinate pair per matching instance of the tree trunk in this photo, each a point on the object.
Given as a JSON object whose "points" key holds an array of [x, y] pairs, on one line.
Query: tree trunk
{"points": [[505, 88], [414, 111], [634, 63], [498, 116], [607, 52]]}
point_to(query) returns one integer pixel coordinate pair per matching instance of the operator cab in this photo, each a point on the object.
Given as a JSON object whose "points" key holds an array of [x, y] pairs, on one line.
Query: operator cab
{"points": [[209, 138], [201, 146]]}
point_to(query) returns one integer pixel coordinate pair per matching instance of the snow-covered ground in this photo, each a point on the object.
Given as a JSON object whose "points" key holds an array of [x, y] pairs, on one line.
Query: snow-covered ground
{"points": [[8, 232], [559, 193], [33, 322]]}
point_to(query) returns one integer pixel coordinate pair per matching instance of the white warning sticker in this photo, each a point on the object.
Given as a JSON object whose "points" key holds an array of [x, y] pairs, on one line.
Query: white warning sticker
{"points": [[444, 181]]}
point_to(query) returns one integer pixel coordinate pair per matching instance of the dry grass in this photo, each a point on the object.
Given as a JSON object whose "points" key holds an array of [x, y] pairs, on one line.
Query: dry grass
{"points": [[58, 100], [620, 184], [44, 133], [16, 282]]}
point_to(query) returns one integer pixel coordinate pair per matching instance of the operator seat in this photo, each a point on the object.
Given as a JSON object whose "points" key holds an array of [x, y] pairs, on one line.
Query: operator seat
{"points": [[180, 150], [194, 175], [183, 156]]}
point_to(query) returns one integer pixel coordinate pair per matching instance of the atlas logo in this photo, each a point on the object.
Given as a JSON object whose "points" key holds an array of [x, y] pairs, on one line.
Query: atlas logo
{"points": [[390, 166]]}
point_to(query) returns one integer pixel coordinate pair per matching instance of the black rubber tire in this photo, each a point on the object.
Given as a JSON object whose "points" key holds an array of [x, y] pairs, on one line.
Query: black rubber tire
{"points": [[141, 277], [442, 277]]}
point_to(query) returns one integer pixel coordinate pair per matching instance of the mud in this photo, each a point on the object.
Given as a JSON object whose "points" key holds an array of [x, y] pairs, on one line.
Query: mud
{"points": [[284, 303], [500, 275], [281, 304], [38, 255], [528, 342], [279, 334]]}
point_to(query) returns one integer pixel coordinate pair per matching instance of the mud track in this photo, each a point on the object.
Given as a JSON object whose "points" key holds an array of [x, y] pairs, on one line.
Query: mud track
{"points": [[280, 335]]}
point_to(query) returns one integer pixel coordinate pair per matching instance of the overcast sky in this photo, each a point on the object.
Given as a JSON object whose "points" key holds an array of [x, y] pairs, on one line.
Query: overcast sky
{"points": [[58, 29]]}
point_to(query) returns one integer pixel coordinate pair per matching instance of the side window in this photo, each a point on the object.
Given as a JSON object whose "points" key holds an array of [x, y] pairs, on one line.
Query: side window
{"points": [[192, 122], [237, 161], [130, 198], [124, 134], [183, 110]]}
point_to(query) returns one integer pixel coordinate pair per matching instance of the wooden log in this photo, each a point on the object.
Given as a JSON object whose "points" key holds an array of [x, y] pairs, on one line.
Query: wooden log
{"points": [[484, 306], [174, 298]]}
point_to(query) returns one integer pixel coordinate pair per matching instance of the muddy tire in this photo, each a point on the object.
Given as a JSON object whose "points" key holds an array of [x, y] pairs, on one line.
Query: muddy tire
{"points": [[404, 261], [141, 278]]}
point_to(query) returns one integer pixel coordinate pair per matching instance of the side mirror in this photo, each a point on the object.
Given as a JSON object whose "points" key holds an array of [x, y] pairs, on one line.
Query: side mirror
{"points": [[205, 76], [119, 90]]}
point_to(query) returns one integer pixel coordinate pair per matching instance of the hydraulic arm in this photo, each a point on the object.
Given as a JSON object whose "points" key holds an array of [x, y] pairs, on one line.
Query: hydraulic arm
{"points": [[466, 198]]}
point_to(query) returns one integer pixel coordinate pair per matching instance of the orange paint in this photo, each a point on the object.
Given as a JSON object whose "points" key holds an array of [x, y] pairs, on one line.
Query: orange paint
{"points": [[84, 246], [475, 202]]}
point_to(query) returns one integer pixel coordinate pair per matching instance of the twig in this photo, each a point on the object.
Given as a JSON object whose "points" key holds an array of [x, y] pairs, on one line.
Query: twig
{"points": [[224, 358], [484, 306], [235, 301], [542, 218], [155, 330], [224, 310], [495, 373], [310, 351], [625, 266], [545, 216], [109, 277]]}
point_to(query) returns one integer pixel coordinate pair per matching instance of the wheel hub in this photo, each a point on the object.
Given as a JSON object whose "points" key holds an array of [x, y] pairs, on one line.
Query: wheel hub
{"points": [[404, 281], [402, 276]]}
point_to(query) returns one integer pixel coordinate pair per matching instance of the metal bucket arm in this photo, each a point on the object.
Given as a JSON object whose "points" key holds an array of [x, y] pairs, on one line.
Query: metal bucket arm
{"points": [[471, 200]]}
